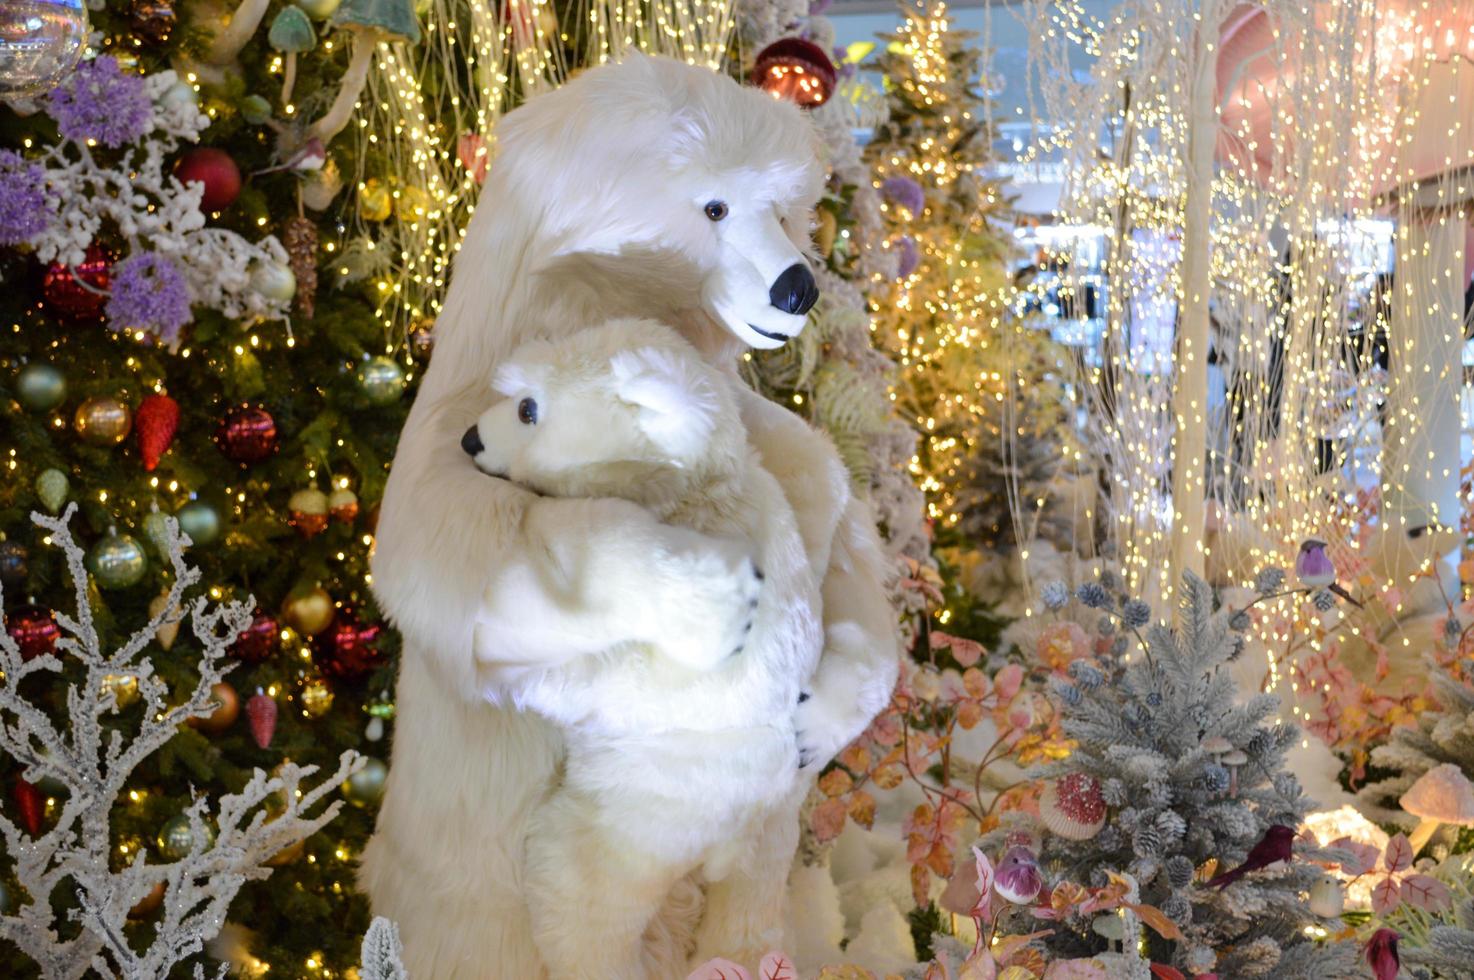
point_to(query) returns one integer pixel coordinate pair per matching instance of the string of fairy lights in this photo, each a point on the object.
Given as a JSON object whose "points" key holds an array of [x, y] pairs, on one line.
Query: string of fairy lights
{"points": [[1318, 132]]}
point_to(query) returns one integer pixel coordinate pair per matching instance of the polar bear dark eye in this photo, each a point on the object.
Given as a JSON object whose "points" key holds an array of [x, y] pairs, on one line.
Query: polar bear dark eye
{"points": [[527, 411], [716, 210]]}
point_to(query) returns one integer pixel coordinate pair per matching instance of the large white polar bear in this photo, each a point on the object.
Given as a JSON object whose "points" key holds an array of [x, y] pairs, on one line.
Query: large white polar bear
{"points": [[644, 188], [674, 764]]}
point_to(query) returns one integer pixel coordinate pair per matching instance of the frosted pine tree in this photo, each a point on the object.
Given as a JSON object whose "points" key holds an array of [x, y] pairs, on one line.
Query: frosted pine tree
{"points": [[383, 954], [1172, 782], [72, 912]]}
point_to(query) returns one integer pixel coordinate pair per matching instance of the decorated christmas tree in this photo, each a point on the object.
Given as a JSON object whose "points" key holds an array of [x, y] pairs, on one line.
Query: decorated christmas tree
{"points": [[971, 378]]}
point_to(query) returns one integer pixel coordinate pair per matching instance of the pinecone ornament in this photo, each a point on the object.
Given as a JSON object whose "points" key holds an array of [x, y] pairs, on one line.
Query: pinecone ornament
{"points": [[300, 238]]}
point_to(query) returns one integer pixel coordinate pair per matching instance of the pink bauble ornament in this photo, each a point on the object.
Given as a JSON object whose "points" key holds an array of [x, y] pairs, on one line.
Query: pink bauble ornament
{"points": [[261, 714], [216, 171]]}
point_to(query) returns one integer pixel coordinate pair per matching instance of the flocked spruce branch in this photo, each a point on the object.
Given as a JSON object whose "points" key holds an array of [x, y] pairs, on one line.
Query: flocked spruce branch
{"points": [[93, 760]]}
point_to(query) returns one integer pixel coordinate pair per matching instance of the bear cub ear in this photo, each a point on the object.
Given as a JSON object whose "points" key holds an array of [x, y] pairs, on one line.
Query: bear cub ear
{"points": [[676, 402]]}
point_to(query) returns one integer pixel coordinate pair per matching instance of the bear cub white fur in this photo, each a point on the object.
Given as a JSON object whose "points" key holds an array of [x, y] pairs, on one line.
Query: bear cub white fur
{"points": [[674, 761]]}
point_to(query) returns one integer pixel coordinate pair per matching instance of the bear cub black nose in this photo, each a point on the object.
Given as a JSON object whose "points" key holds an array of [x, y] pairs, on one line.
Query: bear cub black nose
{"points": [[471, 442], [795, 291]]}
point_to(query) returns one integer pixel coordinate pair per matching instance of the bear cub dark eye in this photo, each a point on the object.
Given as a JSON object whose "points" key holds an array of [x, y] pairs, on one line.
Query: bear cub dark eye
{"points": [[527, 411], [716, 210]]}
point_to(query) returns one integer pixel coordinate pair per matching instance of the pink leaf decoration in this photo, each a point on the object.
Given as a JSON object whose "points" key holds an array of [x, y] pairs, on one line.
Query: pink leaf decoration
{"points": [[1385, 896], [719, 969], [1165, 972], [1363, 856], [985, 880], [1007, 681], [979, 966], [827, 820], [966, 652], [776, 966], [1399, 853], [1428, 894]]}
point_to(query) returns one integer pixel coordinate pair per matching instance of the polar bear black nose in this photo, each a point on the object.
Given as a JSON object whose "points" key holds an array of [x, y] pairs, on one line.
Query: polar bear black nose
{"points": [[471, 442], [795, 291]]}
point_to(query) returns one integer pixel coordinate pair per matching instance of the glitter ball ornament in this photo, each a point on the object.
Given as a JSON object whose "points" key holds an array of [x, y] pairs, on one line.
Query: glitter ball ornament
{"points": [[178, 839], [15, 565], [343, 505], [223, 716], [123, 687], [79, 292], [52, 488], [308, 512], [33, 629], [381, 380], [374, 200], [366, 787], [156, 421], [261, 716], [152, 21], [247, 435], [257, 641], [316, 697], [40, 387], [1072, 806], [299, 236], [103, 421], [309, 612], [117, 561], [797, 70], [216, 171], [345, 650], [30, 803], [41, 42], [201, 521]]}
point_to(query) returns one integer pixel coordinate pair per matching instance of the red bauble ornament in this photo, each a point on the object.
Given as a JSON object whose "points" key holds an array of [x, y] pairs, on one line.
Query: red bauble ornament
{"points": [[31, 804], [797, 70], [34, 630], [216, 170], [258, 641], [155, 420], [261, 713], [247, 435], [78, 292], [345, 650]]}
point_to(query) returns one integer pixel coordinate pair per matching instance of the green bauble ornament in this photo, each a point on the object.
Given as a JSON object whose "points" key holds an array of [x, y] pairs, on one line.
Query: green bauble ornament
{"points": [[382, 380], [366, 787], [52, 486], [40, 387], [177, 839], [255, 110], [318, 9], [156, 531], [200, 521], [117, 561]]}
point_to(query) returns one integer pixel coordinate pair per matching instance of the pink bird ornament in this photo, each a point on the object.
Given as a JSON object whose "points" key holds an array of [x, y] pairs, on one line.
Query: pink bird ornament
{"points": [[1382, 954], [1315, 570]]}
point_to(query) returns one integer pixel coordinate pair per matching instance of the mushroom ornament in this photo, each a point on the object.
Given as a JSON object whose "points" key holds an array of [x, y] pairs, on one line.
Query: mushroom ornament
{"points": [[1441, 795], [291, 34], [370, 22], [237, 32]]}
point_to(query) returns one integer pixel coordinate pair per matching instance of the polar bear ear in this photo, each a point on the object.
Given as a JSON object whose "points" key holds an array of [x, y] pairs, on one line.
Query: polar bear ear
{"points": [[677, 405]]}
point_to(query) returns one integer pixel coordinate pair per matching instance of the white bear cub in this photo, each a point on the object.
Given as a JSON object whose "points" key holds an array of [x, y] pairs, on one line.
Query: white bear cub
{"points": [[673, 762]]}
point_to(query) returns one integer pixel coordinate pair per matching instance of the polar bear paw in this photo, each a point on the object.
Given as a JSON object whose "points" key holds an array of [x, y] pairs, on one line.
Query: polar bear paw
{"points": [[823, 728], [717, 592]]}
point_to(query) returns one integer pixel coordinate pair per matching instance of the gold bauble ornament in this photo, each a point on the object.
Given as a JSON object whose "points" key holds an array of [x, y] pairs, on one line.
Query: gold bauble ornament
{"points": [[412, 204], [343, 505], [287, 855], [826, 231], [366, 787], [222, 717], [309, 612], [168, 631], [148, 903], [316, 697], [375, 203], [309, 512], [124, 688], [103, 421]]}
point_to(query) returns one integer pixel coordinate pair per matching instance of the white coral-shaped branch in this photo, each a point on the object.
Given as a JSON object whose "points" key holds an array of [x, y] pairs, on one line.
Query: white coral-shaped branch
{"points": [[94, 764]]}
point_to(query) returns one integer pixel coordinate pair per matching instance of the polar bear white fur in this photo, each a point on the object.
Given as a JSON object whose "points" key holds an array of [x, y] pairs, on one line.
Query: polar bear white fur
{"points": [[673, 758], [594, 208]]}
